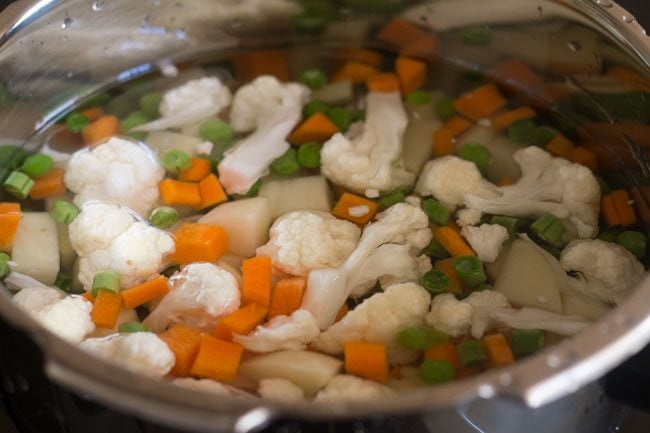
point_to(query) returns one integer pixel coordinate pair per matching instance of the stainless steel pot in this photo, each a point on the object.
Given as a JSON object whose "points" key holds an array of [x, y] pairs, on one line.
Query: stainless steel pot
{"points": [[48, 48]]}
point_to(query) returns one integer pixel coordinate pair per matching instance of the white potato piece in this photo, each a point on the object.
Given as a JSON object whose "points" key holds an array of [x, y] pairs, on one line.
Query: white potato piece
{"points": [[67, 253], [246, 221], [476, 134], [349, 30], [308, 370], [36, 247], [162, 141], [416, 143], [527, 278], [577, 304], [502, 164], [300, 193], [340, 92]]}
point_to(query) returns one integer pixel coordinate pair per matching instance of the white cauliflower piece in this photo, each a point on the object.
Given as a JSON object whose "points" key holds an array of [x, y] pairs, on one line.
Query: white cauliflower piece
{"points": [[281, 333], [272, 109], [449, 315], [190, 103], [210, 386], [68, 317], [328, 289], [449, 179], [347, 387], [108, 237], [548, 185], [302, 241], [604, 271], [486, 240], [485, 304], [118, 171], [279, 389], [370, 159], [379, 319], [140, 352], [198, 296]]}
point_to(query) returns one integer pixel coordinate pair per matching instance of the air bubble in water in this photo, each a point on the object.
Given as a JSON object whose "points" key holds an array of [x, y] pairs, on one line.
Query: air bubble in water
{"points": [[604, 3], [67, 22], [98, 5], [629, 19], [235, 24], [573, 45]]}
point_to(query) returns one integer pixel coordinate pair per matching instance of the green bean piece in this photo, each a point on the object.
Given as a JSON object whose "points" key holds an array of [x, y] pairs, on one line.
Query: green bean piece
{"points": [[522, 131], [313, 78], [633, 241], [64, 212], [150, 104], [4, 265], [132, 327], [218, 132], [476, 153], [341, 117], [433, 371], [470, 270], [549, 228], [76, 122], [163, 217], [18, 184], [419, 97], [476, 35], [526, 341], [37, 165], [436, 211], [309, 155], [315, 106], [436, 250], [287, 164], [445, 108], [107, 280], [434, 281], [471, 353], [421, 337], [511, 223], [175, 160]]}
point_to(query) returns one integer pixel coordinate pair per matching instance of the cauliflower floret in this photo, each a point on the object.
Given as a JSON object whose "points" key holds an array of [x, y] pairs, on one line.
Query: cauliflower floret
{"points": [[450, 315], [272, 109], [484, 306], [282, 333], [450, 178], [279, 389], [141, 352], [547, 185], [211, 386], [371, 158], [198, 296], [605, 271], [108, 237], [301, 241], [347, 387], [486, 240], [118, 171], [328, 289], [68, 317], [206, 92], [379, 319]]}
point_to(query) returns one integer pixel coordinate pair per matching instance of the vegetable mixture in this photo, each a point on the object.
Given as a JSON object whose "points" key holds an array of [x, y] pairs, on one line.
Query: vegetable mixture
{"points": [[353, 220]]}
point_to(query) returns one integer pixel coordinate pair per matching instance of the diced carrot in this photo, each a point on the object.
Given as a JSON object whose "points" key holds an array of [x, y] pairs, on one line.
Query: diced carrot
{"points": [[452, 242], [355, 72], [629, 76], [515, 73], [560, 146], [457, 125], [88, 296], [211, 192], [608, 211], [93, 113], [504, 120], [581, 155], [354, 208], [106, 309], [446, 266], [363, 55], [241, 321], [251, 65], [287, 296], [176, 192], [409, 38], [184, 342], [145, 292], [386, 82], [198, 170], [101, 129], [505, 181], [412, 74], [256, 275], [49, 185], [9, 221], [497, 350], [197, 242], [342, 312], [217, 359], [443, 142], [318, 128], [425, 47], [444, 352], [623, 207], [641, 207], [480, 102], [366, 359]]}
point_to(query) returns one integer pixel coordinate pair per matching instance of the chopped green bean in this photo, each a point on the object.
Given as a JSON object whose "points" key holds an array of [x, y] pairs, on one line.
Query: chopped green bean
{"points": [[436, 211], [18, 184], [107, 280], [341, 117], [149, 104], [549, 228], [37, 165], [163, 217], [633, 241], [11, 157], [309, 155], [435, 281], [421, 337], [76, 122], [435, 250], [476, 35], [175, 160], [471, 353], [511, 223], [476, 153], [391, 198], [419, 97], [287, 164], [522, 131], [63, 282], [315, 106], [542, 135], [445, 108], [470, 270], [433, 371], [526, 341], [4, 264], [134, 119], [604, 188], [64, 212], [313, 78], [218, 132], [608, 235], [171, 270], [132, 327]]}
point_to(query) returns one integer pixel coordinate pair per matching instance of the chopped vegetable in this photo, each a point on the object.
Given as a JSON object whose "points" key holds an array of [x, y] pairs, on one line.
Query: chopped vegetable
{"points": [[476, 35], [211, 192], [252, 64], [199, 243], [526, 341], [543, 135], [131, 327], [149, 104], [511, 223], [355, 72], [560, 146], [317, 127], [521, 131], [50, 185], [480, 103], [435, 250], [242, 321], [11, 157], [313, 78], [446, 266], [76, 122], [412, 73], [315, 106], [391, 198], [549, 228], [419, 97], [174, 192], [184, 342], [471, 353], [35, 251], [174, 160], [37, 165], [457, 125], [435, 281], [18, 184], [497, 350], [354, 208], [217, 359], [409, 38], [106, 309], [256, 286], [64, 212], [505, 120], [385, 82], [470, 270], [101, 129], [608, 211], [445, 108], [452, 242], [443, 142], [309, 154], [634, 242], [4, 264], [436, 211], [287, 164], [436, 371], [9, 220], [163, 217], [624, 209], [134, 120], [366, 359], [444, 352], [581, 155], [145, 292], [197, 170], [287, 296], [476, 153], [421, 338], [107, 280], [218, 132]]}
